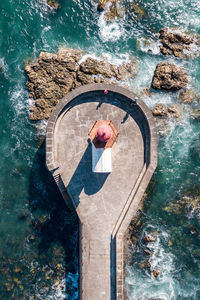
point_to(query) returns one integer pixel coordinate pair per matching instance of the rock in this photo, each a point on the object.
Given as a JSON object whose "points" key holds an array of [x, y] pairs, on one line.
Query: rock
{"points": [[178, 44], [93, 66], [144, 265], [155, 273], [137, 10], [147, 252], [17, 270], [170, 243], [52, 76], [186, 96], [160, 110], [54, 4], [110, 8], [175, 110], [195, 114], [189, 201], [148, 239], [39, 223], [168, 76], [193, 229]]}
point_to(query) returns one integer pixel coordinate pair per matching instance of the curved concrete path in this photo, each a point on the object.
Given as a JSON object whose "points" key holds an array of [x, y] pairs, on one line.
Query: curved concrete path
{"points": [[105, 203]]}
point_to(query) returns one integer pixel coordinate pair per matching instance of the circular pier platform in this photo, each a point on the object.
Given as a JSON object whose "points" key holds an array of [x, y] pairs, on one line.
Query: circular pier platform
{"points": [[105, 202]]}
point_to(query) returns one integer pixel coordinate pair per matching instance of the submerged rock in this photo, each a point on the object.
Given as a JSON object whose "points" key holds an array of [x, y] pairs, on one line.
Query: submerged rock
{"points": [[137, 10], [195, 114], [149, 239], [147, 252], [186, 96], [145, 264], [161, 110], [54, 4], [190, 201], [168, 76], [175, 110], [175, 43], [52, 76]]}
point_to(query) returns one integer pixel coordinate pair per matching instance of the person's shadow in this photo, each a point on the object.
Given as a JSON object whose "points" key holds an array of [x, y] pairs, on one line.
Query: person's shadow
{"points": [[84, 179]]}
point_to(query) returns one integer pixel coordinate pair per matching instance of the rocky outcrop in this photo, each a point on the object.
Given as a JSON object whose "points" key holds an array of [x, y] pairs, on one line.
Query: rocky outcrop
{"points": [[179, 44], [52, 76], [161, 110], [168, 76]]}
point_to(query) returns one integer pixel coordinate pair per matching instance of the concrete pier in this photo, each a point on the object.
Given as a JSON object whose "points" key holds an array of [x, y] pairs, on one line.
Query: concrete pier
{"points": [[105, 202]]}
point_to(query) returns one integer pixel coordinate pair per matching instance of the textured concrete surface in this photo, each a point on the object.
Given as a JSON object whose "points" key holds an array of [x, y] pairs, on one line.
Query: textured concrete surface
{"points": [[105, 203]]}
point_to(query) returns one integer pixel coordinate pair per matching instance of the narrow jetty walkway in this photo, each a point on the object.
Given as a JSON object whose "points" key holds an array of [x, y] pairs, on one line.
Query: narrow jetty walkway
{"points": [[105, 202]]}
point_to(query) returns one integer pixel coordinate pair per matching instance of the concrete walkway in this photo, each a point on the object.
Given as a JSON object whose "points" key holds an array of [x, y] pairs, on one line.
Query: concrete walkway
{"points": [[105, 203]]}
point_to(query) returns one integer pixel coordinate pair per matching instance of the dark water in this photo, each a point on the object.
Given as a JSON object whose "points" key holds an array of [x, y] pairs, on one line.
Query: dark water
{"points": [[37, 234]]}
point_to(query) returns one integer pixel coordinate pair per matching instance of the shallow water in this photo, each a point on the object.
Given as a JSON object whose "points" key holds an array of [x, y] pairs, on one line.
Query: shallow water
{"points": [[37, 235]]}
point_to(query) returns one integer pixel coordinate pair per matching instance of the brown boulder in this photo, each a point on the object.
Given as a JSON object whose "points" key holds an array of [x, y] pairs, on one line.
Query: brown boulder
{"points": [[155, 273], [160, 110], [147, 252], [176, 43], [168, 76], [137, 10], [195, 114], [103, 3]]}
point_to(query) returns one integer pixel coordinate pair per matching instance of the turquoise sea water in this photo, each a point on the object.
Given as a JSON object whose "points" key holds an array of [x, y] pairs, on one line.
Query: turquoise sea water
{"points": [[38, 245]]}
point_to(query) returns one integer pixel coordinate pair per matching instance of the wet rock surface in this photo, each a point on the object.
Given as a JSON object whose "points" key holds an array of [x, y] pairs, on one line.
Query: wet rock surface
{"points": [[168, 77], [52, 76], [155, 273], [179, 44], [161, 110], [187, 96]]}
